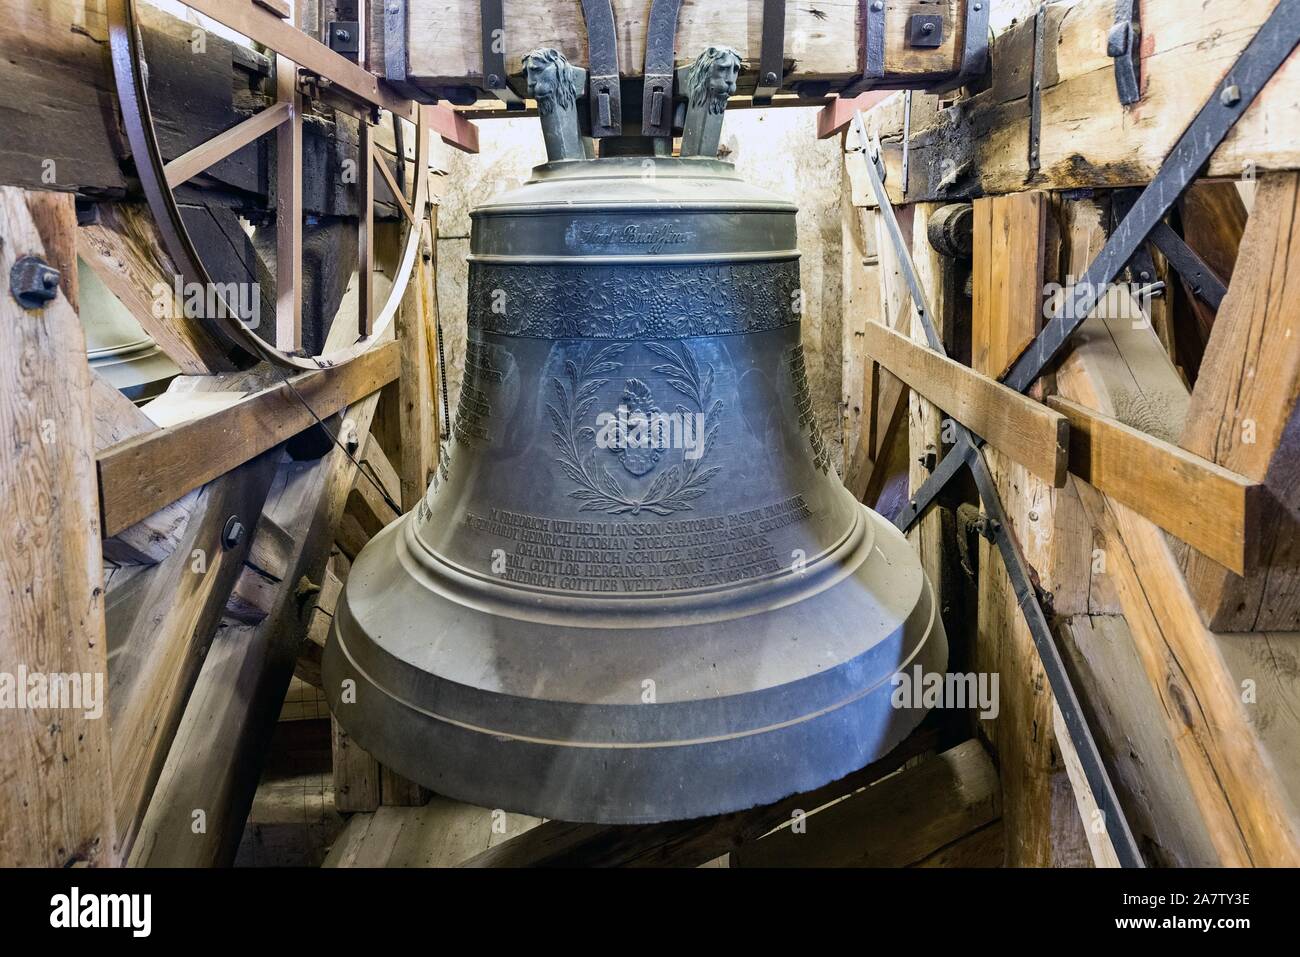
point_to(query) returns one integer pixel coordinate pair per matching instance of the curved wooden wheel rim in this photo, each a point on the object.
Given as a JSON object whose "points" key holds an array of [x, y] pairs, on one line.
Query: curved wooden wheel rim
{"points": [[127, 55]]}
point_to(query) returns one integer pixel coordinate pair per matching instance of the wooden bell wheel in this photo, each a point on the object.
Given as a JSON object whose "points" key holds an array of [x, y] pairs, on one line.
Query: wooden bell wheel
{"points": [[350, 88]]}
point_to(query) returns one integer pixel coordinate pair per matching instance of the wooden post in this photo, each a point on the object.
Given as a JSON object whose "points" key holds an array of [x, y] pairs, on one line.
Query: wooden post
{"points": [[55, 799], [1245, 414]]}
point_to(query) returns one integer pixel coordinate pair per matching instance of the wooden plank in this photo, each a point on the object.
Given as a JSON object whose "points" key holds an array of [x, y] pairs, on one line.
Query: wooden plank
{"points": [[54, 798], [216, 756], [126, 253], [356, 774], [1027, 431], [1245, 413], [265, 27], [1216, 511], [896, 822], [162, 624], [191, 164], [443, 39], [936, 274], [1123, 712], [142, 474], [836, 115], [1187, 50], [416, 392], [1006, 279], [288, 211]]}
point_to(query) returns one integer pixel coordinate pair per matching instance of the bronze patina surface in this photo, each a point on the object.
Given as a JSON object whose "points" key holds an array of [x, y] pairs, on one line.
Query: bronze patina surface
{"points": [[637, 590]]}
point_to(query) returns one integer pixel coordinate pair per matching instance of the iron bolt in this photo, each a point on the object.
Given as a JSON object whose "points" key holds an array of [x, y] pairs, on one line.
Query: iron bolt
{"points": [[343, 35], [1231, 95], [878, 5], [769, 78], [33, 282], [233, 533], [927, 28]]}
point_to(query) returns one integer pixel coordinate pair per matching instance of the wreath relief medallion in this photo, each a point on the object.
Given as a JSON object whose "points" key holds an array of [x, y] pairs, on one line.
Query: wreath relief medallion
{"points": [[582, 459]]}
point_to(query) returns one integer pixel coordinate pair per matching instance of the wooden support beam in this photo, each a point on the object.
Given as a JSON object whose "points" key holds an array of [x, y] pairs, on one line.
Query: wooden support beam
{"points": [[897, 822], [836, 115], [822, 42], [1007, 288], [126, 253], [161, 626], [416, 392], [1216, 511], [55, 809], [1245, 415], [1135, 743], [1027, 431], [143, 474], [356, 774], [1243, 784], [216, 756]]}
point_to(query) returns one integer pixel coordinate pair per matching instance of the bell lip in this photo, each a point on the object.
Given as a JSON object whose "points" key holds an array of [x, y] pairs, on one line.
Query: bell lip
{"points": [[708, 605], [923, 633]]}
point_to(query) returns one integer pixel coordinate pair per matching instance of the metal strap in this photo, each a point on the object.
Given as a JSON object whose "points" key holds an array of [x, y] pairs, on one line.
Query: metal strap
{"points": [[1036, 90], [604, 95], [771, 60], [1200, 278], [495, 78], [660, 41], [975, 47], [1019, 572], [1261, 59], [1123, 44]]}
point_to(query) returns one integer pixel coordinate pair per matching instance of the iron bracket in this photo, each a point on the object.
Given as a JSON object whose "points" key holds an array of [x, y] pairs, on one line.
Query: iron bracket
{"points": [[604, 94], [1200, 278], [1036, 90], [771, 60], [495, 78], [344, 37], [1124, 46], [657, 96], [975, 47]]}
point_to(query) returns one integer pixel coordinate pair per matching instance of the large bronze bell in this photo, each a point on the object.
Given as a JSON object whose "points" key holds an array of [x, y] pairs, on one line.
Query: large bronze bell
{"points": [[637, 590]]}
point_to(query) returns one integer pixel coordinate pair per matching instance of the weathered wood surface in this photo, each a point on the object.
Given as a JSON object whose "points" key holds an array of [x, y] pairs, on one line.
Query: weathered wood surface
{"points": [[1027, 431], [54, 810], [215, 756], [822, 42], [1247, 805], [897, 822], [1245, 416], [981, 145], [142, 474], [1010, 241], [1218, 512]]}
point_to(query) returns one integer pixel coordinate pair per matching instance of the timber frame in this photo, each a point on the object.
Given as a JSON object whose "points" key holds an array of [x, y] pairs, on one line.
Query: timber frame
{"points": [[1165, 558], [182, 552]]}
